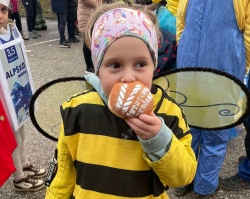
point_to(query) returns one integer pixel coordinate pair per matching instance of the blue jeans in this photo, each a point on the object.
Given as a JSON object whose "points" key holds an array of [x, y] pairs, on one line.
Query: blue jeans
{"points": [[210, 148]]}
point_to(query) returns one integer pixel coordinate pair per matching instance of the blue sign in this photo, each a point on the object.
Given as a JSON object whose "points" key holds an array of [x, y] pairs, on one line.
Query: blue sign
{"points": [[11, 54]]}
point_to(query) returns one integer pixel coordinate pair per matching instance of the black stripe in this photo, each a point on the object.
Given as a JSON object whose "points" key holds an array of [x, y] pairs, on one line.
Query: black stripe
{"points": [[77, 120], [172, 123], [117, 181]]}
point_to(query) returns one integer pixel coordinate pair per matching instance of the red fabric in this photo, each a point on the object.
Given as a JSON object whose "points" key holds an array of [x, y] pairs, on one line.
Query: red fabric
{"points": [[14, 5], [7, 146]]}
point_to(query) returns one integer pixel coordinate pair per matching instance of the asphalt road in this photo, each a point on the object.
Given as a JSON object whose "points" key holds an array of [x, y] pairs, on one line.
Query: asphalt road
{"points": [[49, 62]]}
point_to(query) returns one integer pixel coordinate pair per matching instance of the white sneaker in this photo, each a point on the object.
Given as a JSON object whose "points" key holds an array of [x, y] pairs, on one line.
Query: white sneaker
{"points": [[28, 184], [34, 172], [32, 35], [36, 33]]}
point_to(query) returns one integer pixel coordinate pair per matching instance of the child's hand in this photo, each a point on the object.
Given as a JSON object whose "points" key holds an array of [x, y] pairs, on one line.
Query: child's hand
{"points": [[145, 126]]}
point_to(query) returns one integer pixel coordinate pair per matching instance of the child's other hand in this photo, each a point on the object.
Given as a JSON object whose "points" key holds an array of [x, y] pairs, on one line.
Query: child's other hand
{"points": [[145, 126]]}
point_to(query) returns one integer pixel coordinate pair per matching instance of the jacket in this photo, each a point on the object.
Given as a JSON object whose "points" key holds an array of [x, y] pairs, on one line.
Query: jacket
{"points": [[7, 146], [99, 156], [59, 6], [14, 6], [85, 8], [242, 13]]}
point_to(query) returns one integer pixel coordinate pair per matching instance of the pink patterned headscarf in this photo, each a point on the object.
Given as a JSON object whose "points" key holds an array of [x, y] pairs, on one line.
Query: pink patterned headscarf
{"points": [[121, 22]]}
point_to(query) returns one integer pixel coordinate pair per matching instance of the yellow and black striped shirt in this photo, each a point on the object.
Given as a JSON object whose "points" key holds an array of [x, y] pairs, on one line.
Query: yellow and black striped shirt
{"points": [[99, 157]]}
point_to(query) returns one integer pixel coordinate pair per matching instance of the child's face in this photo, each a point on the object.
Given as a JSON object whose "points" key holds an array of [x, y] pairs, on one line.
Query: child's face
{"points": [[3, 15], [126, 60]]}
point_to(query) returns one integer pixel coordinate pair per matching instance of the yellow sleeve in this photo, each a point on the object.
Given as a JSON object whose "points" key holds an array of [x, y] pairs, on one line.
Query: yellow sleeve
{"points": [[172, 6], [180, 18], [63, 183], [156, 1], [178, 166], [246, 34], [171, 168]]}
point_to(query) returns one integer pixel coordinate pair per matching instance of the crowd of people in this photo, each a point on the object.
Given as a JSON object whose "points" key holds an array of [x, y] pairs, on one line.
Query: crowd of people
{"points": [[137, 157]]}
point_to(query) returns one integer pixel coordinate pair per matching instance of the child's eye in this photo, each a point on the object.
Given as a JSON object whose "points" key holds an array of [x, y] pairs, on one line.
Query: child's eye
{"points": [[140, 64], [114, 65], [4, 10]]}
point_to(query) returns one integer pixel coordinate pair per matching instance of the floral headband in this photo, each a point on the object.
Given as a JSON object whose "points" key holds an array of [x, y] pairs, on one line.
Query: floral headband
{"points": [[122, 22]]}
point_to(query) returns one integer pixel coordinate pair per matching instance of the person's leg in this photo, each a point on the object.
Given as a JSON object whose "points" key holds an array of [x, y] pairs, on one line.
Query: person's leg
{"points": [[40, 20], [28, 168], [62, 18], [247, 126], [19, 26], [29, 13], [58, 21], [34, 7], [18, 174], [70, 27], [23, 155], [241, 180], [244, 166], [213, 150], [247, 138], [28, 6], [23, 180], [61, 25], [87, 58], [71, 31]]}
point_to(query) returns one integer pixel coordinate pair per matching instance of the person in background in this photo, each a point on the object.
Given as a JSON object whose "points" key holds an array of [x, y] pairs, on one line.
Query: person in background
{"points": [[71, 19], [84, 11], [27, 177], [241, 180], [60, 7], [25, 174], [30, 7], [40, 20], [14, 15], [144, 154], [205, 31]]}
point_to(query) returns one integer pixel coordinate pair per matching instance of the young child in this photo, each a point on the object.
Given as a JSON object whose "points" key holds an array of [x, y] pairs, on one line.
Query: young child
{"points": [[4, 15], [25, 171], [14, 15], [205, 30], [102, 156]]}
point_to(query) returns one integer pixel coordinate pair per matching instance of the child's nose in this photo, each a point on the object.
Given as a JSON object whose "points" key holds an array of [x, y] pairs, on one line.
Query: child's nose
{"points": [[128, 77], [1, 17]]}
